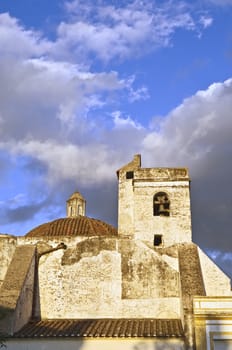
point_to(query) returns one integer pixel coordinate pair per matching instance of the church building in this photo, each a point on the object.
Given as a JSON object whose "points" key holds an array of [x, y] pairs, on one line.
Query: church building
{"points": [[79, 283]]}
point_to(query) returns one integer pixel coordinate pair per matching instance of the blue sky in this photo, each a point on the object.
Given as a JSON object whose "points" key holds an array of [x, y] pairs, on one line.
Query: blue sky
{"points": [[85, 85]]}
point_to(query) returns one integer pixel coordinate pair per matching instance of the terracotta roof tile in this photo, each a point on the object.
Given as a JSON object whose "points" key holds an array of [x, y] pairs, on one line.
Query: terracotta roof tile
{"points": [[93, 328], [78, 226]]}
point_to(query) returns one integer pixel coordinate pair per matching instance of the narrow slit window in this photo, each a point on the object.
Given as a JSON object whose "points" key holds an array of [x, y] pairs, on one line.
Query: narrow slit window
{"points": [[157, 240], [161, 204]]}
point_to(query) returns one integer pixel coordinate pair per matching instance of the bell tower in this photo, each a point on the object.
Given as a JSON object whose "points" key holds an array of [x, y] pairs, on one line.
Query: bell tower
{"points": [[75, 205], [154, 204]]}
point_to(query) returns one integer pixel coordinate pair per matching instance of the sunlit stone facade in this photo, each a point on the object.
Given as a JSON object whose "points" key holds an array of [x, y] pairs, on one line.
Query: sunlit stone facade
{"points": [[81, 282]]}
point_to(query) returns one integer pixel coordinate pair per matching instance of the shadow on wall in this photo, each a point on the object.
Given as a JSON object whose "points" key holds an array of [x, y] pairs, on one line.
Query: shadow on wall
{"points": [[74, 344], [36, 309], [6, 316], [217, 337], [45, 344], [144, 346]]}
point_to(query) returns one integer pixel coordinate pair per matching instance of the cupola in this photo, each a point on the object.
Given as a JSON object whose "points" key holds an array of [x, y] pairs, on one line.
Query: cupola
{"points": [[75, 205]]}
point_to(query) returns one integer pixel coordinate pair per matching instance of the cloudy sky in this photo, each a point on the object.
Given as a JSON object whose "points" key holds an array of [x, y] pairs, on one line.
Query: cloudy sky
{"points": [[86, 84]]}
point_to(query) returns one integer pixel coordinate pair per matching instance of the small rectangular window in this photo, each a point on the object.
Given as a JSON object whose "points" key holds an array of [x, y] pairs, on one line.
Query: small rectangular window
{"points": [[129, 174], [157, 240]]}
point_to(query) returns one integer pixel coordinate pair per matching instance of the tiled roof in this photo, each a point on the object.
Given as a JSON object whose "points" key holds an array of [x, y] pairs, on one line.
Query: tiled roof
{"points": [[93, 328], [77, 226]]}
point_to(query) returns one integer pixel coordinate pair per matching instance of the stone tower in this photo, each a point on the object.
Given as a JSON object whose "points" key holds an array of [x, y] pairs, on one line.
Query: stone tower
{"points": [[75, 205], [154, 204]]}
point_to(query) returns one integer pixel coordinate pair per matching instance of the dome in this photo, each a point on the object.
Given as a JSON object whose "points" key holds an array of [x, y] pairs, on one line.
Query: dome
{"points": [[75, 226]]}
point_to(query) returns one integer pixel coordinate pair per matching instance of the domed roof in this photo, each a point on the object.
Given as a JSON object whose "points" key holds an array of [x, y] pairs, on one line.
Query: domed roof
{"points": [[75, 226]]}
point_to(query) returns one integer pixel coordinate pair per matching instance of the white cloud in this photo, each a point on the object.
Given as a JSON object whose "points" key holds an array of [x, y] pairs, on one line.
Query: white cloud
{"points": [[49, 96], [50, 117], [197, 134], [192, 130], [53, 99], [54, 107], [18, 200], [18, 42], [121, 122], [206, 21], [218, 255], [188, 135], [114, 31], [90, 164], [222, 259], [134, 94]]}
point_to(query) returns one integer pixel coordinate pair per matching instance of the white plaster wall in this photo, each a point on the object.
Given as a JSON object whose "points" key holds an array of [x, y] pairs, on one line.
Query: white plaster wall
{"points": [[151, 308], [222, 345], [96, 344], [89, 288], [219, 335], [215, 280], [92, 288], [7, 248]]}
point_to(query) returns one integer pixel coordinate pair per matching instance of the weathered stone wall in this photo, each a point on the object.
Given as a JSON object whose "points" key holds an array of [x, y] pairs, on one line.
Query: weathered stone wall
{"points": [[190, 274], [191, 284], [125, 206], [137, 187], [101, 277], [215, 280], [145, 275], [7, 248], [49, 241], [175, 228], [126, 197], [73, 285]]}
